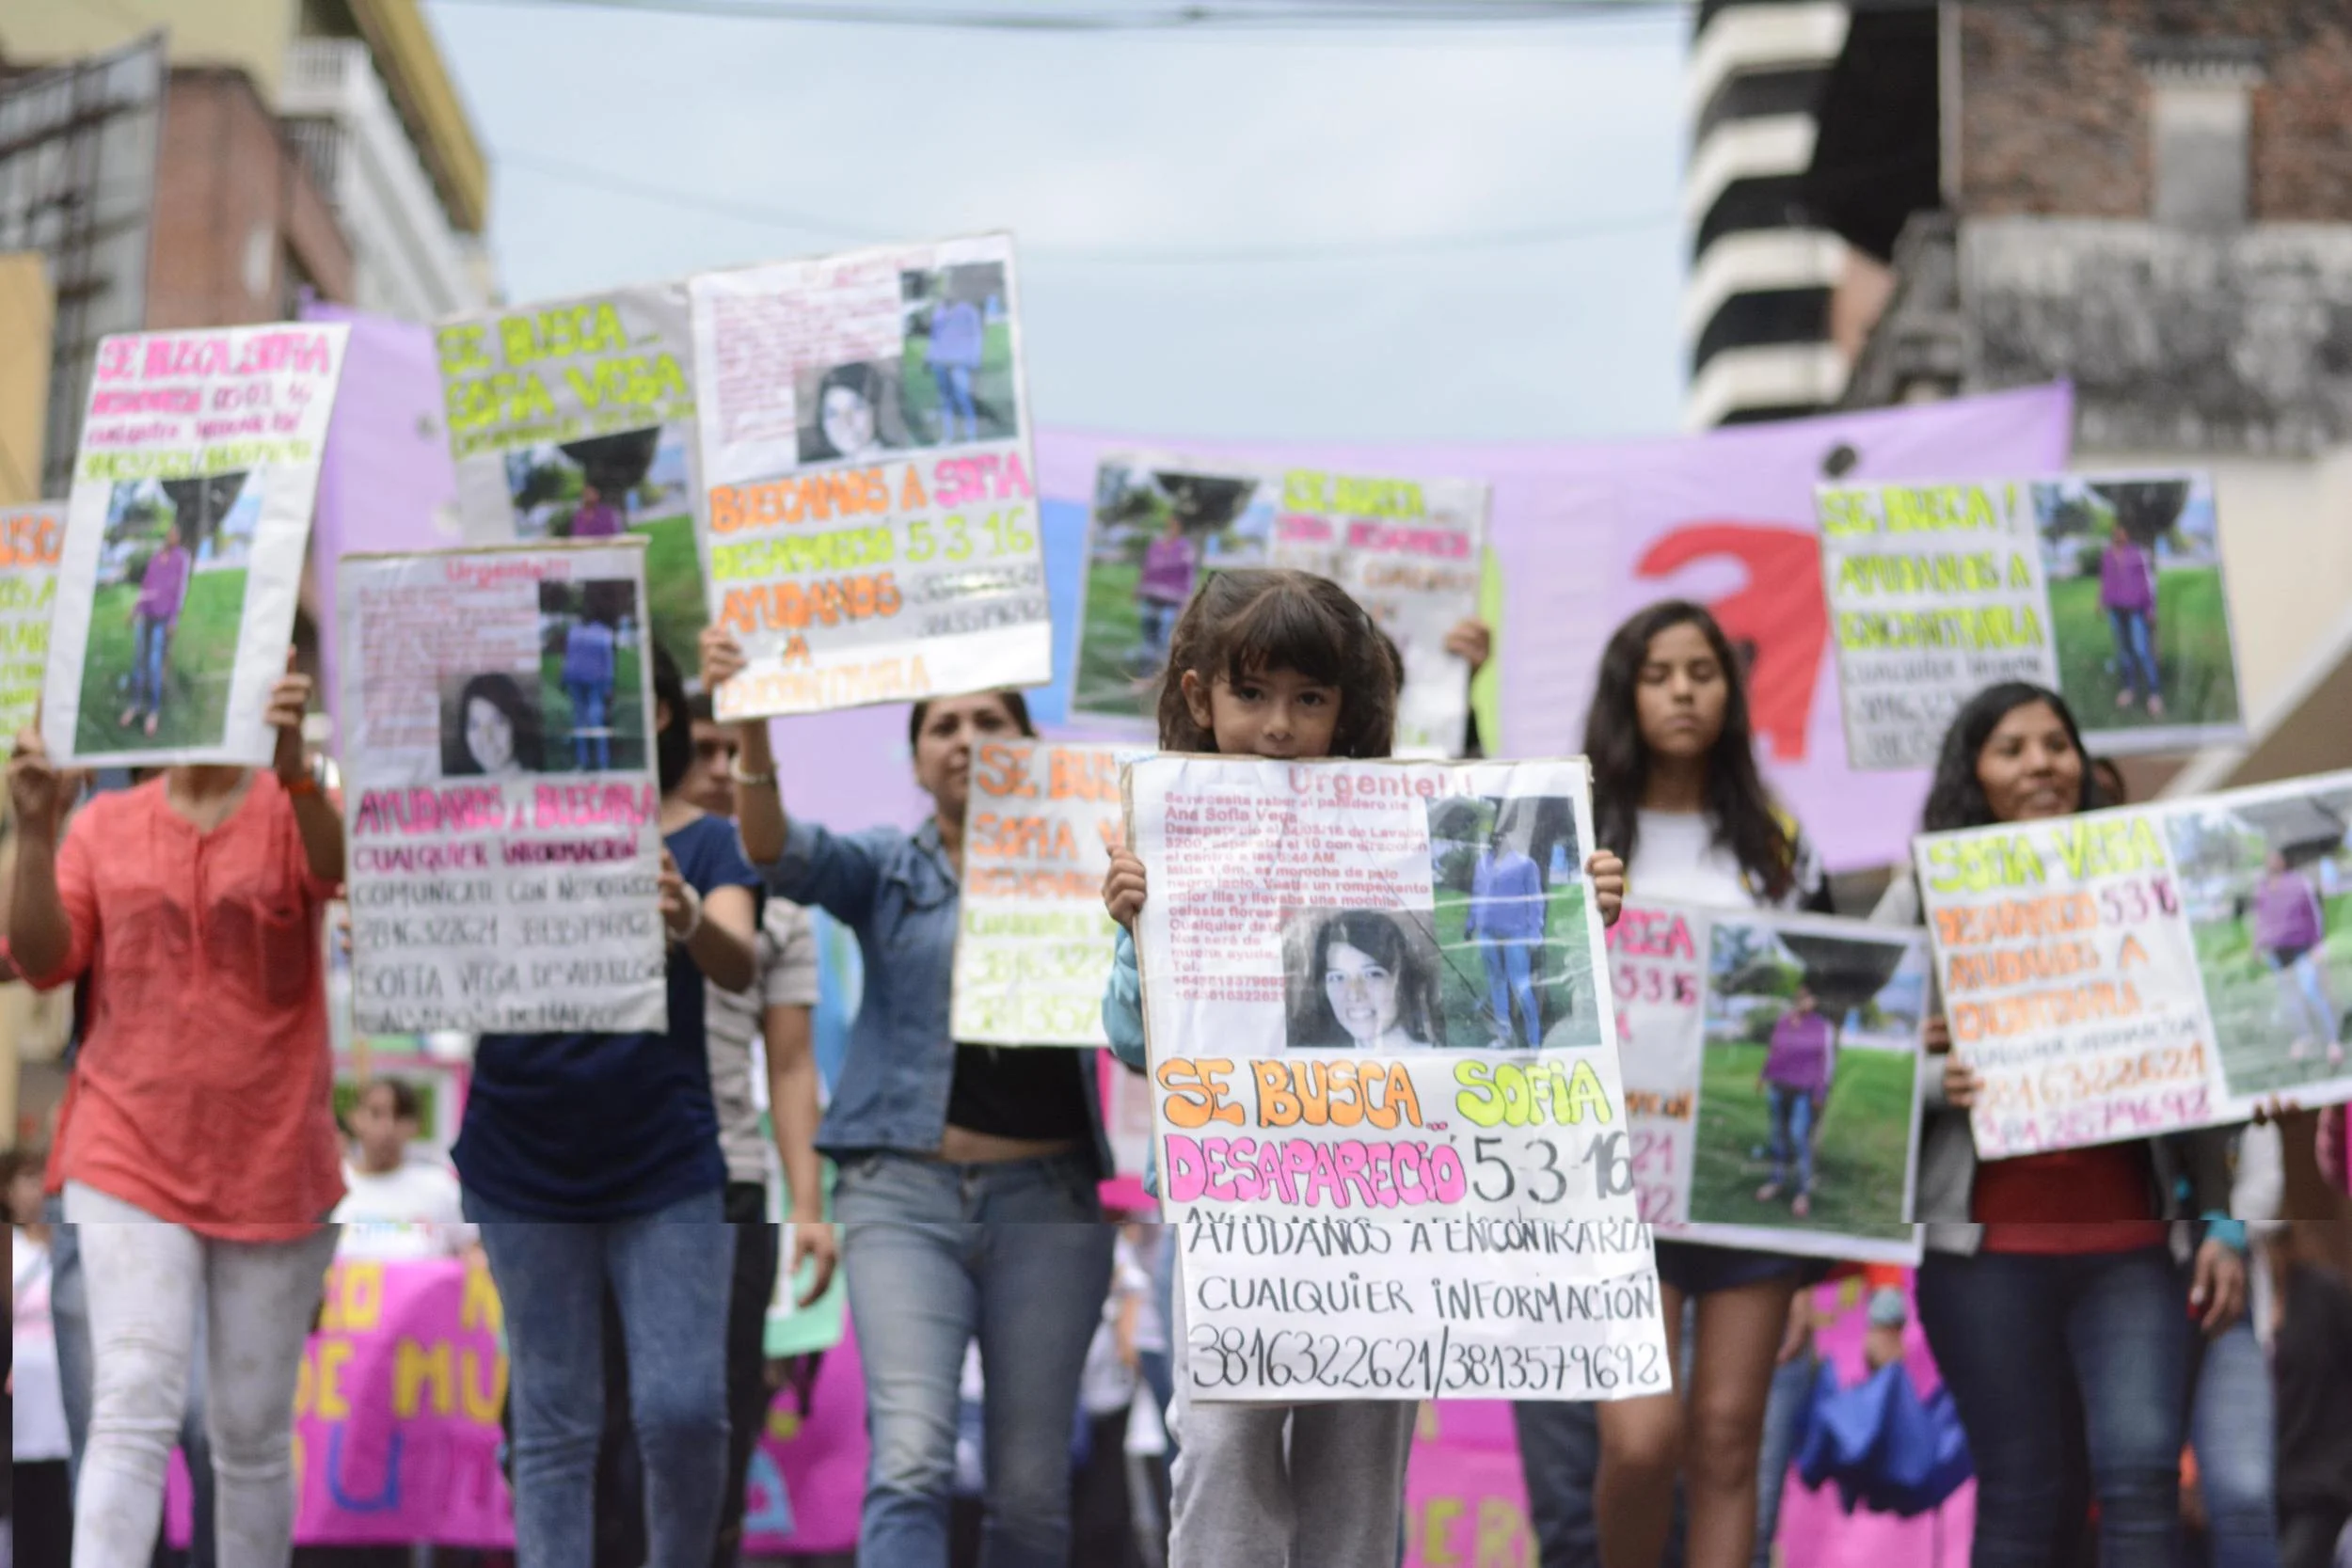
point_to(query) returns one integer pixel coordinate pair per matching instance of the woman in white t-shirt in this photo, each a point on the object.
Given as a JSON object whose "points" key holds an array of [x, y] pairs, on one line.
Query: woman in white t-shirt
{"points": [[41, 1496], [1677, 795], [399, 1202]]}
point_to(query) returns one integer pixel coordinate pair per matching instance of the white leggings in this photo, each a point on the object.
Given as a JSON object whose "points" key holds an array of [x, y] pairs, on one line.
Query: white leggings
{"points": [[143, 1275]]}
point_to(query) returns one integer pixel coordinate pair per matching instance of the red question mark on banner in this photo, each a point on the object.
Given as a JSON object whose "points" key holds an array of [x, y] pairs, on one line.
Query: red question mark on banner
{"points": [[1779, 614]]}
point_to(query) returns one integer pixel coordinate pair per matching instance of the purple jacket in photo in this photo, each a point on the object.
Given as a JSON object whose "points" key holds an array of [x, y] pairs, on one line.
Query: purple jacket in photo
{"points": [[2127, 578], [1798, 1058], [2286, 913], [165, 588]]}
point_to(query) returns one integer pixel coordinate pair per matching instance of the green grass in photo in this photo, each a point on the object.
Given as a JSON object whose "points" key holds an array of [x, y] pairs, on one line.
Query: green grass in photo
{"points": [[2249, 1002], [626, 719], [2192, 644], [1564, 976], [201, 659], [1864, 1139], [1105, 681], [992, 388], [674, 588]]}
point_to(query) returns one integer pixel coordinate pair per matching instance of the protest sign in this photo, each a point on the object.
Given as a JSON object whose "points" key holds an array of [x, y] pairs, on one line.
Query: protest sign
{"points": [[1770, 1063], [2121, 974], [30, 539], [498, 790], [1447, 1206], [2105, 588], [1033, 943], [1408, 550], [185, 534], [870, 528], [575, 420]]}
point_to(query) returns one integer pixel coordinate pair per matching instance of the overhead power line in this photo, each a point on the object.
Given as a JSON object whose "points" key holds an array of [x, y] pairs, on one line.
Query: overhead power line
{"points": [[1094, 16], [1327, 251]]}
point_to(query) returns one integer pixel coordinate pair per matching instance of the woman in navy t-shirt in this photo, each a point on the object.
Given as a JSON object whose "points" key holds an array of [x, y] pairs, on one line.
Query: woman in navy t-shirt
{"points": [[593, 1159]]}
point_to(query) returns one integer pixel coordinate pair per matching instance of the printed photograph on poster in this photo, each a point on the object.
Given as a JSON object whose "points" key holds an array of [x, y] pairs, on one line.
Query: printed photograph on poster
{"points": [[1360, 980], [951, 383], [2137, 611], [490, 726], [30, 541], [1516, 970], [186, 536], [590, 677], [633, 481], [1811, 1046], [2266, 885], [169, 608]]}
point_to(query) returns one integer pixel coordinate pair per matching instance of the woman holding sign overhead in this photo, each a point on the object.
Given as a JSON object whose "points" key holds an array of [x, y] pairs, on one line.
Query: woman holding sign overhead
{"points": [[1676, 794], [2050, 1296], [195, 1143], [591, 1162], [967, 1193]]}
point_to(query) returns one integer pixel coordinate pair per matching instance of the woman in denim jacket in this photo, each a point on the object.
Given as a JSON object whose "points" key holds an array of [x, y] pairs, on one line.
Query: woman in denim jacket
{"points": [[967, 1191]]}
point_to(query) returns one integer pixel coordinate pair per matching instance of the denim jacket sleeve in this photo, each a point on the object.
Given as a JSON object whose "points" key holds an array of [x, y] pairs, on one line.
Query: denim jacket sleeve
{"points": [[1123, 1003], [836, 872]]}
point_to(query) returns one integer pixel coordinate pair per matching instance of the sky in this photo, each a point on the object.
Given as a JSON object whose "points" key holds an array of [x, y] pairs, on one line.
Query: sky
{"points": [[1439, 232]]}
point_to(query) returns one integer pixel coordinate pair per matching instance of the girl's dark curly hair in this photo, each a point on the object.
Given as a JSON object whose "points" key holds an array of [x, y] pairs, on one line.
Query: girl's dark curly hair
{"points": [[1242, 624], [1956, 799], [1738, 806]]}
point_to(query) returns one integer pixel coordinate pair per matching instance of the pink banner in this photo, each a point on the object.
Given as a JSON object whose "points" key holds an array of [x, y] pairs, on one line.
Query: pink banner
{"points": [[808, 1479]]}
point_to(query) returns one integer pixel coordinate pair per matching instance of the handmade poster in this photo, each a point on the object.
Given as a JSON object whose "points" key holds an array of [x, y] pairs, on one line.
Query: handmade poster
{"points": [[2106, 589], [1033, 943], [1390, 1125], [2121, 974], [1770, 1062], [498, 790], [30, 540], [870, 524], [184, 534], [1407, 550], [574, 418]]}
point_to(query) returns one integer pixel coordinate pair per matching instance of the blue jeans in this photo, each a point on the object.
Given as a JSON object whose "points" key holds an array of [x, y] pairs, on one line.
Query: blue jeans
{"points": [[1785, 1411], [2017, 1339], [590, 702], [2304, 984], [1510, 972], [670, 1274], [936, 1253], [68, 1308], [1792, 1125], [2134, 651], [152, 639], [955, 408], [2232, 1429]]}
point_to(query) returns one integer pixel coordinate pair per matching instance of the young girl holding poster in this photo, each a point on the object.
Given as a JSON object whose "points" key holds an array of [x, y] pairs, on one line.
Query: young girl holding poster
{"points": [[197, 1141], [967, 1197], [1277, 664], [2049, 1294], [1675, 792], [613, 1138]]}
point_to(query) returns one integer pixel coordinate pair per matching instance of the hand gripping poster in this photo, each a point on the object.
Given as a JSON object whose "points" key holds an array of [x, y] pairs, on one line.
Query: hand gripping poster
{"points": [[574, 420], [31, 538], [2107, 589], [1408, 550], [1771, 1065], [1389, 1131], [498, 790], [2121, 974], [870, 523], [184, 536], [1033, 942]]}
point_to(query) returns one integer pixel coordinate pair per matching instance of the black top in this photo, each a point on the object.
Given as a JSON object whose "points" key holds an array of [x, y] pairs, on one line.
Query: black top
{"points": [[2314, 1359], [1018, 1092]]}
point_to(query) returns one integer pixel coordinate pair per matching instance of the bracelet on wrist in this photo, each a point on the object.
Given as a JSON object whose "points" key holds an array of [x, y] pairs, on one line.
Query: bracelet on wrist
{"points": [[735, 771]]}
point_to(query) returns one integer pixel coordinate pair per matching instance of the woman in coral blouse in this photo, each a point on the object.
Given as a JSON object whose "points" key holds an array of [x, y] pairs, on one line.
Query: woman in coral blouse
{"points": [[196, 1145]]}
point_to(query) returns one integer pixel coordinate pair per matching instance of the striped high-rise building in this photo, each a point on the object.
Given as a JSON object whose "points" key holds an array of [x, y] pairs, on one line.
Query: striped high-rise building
{"points": [[1755, 310]]}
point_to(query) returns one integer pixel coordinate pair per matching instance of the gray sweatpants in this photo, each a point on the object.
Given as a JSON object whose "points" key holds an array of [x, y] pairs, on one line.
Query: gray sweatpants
{"points": [[1285, 1485]]}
